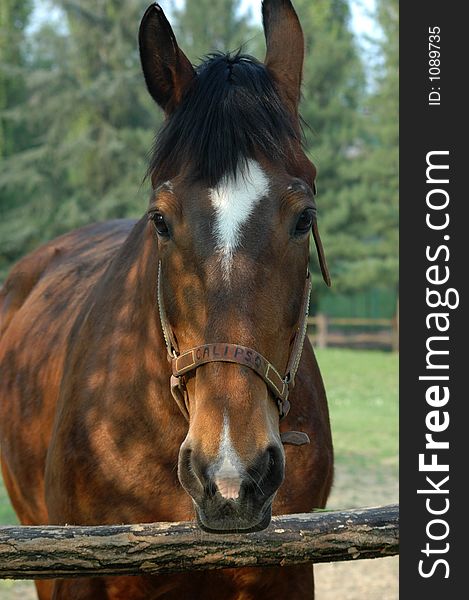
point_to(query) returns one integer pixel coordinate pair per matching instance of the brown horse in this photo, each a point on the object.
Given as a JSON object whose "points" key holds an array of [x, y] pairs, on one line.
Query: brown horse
{"points": [[96, 424]]}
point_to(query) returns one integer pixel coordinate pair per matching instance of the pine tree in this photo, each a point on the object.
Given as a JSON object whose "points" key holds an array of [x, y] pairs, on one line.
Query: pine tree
{"points": [[84, 123], [14, 17], [385, 110], [90, 121], [204, 26], [14, 135], [333, 93], [377, 187], [357, 209]]}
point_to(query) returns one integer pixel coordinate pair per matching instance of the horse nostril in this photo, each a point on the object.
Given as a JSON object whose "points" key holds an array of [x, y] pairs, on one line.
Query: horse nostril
{"points": [[193, 474], [267, 472], [188, 472], [271, 459], [185, 458], [276, 458]]}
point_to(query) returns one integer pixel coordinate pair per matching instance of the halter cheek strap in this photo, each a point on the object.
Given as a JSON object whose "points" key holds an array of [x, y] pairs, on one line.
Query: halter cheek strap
{"points": [[190, 360]]}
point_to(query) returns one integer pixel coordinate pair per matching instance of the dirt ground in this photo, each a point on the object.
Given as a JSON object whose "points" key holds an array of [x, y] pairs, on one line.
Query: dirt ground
{"points": [[375, 579]]}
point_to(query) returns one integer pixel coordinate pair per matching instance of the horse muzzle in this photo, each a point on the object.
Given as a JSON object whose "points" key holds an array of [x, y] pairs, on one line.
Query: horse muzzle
{"points": [[229, 500]]}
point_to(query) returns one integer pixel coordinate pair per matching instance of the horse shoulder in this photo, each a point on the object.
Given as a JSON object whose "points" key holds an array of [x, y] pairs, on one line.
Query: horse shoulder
{"points": [[38, 305]]}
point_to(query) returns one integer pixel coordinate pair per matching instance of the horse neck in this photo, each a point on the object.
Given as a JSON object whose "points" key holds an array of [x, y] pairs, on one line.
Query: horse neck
{"points": [[129, 288], [122, 338]]}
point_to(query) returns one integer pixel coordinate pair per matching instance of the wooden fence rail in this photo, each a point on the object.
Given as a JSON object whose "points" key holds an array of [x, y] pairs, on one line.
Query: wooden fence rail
{"points": [[44, 552], [326, 331]]}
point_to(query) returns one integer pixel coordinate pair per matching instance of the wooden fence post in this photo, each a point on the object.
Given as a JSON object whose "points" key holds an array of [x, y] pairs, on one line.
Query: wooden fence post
{"points": [[321, 331]]}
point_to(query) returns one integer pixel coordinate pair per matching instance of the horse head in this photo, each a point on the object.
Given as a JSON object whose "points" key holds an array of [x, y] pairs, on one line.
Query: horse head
{"points": [[232, 210]]}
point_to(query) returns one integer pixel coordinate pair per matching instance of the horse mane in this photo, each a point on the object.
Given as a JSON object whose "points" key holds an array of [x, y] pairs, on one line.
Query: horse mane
{"points": [[229, 114]]}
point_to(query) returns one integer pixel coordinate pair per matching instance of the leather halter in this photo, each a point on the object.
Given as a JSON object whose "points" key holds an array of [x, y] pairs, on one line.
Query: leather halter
{"points": [[190, 360]]}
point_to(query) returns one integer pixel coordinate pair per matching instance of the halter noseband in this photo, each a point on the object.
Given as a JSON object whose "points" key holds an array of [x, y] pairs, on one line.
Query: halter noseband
{"points": [[190, 360]]}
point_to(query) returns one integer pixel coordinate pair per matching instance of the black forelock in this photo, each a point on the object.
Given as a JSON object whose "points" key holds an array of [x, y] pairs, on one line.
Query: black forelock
{"points": [[231, 113]]}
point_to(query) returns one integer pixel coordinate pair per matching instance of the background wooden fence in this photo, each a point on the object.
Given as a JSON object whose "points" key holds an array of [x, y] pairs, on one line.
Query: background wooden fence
{"points": [[365, 332], [45, 552]]}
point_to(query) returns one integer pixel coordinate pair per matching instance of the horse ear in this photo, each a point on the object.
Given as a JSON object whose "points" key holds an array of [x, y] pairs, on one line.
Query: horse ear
{"points": [[285, 49], [168, 72]]}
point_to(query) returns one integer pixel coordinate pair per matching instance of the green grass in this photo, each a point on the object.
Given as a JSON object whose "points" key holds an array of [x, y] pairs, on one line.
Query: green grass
{"points": [[362, 388], [7, 514], [362, 391]]}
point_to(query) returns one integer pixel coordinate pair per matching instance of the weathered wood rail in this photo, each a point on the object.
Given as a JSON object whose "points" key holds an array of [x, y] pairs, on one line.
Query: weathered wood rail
{"points": [[43, 552], [333, 331]]}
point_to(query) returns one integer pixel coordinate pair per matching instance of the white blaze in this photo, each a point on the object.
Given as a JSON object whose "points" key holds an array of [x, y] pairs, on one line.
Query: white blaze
{"points": [[234, 199], [227, 476]]}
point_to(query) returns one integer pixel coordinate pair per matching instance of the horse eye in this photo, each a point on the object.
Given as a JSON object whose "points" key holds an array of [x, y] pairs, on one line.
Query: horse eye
{"points": [[160, 224], [305, 221]]}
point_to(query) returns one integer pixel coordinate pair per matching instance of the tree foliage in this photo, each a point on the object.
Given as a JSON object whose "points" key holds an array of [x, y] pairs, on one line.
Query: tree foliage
{"points": [[333, 96], [90, 123], [14, 133], [344, 132], [76, 122], [363, 226], [14, 15], [205, 26]]}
